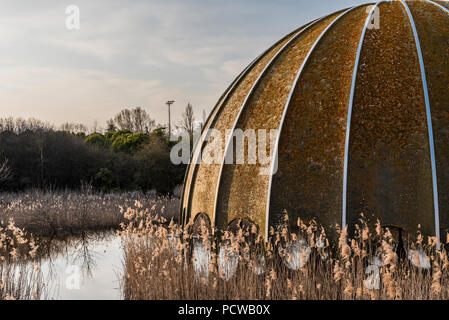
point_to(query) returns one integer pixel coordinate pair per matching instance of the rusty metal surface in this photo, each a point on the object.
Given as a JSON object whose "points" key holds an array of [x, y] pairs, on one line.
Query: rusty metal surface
{"points": [[192, 167], [436, 207], [443, 3], [229, 148], [196, 152], [389, 165], [309, 179], [206, 175], [243, 191], [374, 9], [433, 29]]}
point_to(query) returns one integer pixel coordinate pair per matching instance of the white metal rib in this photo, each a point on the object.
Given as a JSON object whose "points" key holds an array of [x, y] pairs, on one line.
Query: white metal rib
{"points": [[439, 6], [267, 67], [429, 124], [276, 146], [222, 101], [199, 144], [349, 116]]}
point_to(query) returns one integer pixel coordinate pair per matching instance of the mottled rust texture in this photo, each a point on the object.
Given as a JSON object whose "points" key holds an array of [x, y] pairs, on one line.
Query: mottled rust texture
{"points": [[443, 3], [433, 29], [389, 160], [192, 167], [243, 190], [196, 151], [206, 175], [309, 181], [389, 173]]}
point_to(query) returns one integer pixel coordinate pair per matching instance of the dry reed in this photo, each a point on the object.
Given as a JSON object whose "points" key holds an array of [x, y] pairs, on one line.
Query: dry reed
{"points": [[66, 213], [20, 274], [164, 261]]}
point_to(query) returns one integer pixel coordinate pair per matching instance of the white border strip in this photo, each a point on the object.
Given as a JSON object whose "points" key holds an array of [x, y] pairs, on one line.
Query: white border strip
{"points": [[349, 116], [276, 146], [256, 83], [429, 123]]}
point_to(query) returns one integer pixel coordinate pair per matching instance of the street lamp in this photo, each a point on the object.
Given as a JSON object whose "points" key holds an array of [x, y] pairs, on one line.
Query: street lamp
{"points": [[169, 103]]}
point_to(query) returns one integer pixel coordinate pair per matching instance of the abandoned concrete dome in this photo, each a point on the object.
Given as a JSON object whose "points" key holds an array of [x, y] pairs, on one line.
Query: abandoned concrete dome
{"points": [[360, 99]]}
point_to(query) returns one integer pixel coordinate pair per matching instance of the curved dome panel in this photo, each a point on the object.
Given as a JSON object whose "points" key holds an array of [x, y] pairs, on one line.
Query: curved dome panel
{"points": [[362, 125]]}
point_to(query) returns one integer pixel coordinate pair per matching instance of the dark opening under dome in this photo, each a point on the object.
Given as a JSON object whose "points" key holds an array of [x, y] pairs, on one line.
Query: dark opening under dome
{"points": [[363, 117]]}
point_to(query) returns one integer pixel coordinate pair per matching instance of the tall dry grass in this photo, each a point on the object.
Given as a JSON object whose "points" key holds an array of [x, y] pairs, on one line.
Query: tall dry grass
{"points": [[66, 213], [29, 222], [160, 263], [19, 280]]}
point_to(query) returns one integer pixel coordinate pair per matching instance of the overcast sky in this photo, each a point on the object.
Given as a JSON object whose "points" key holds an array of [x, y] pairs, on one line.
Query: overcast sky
{"points": [[135, 53]]}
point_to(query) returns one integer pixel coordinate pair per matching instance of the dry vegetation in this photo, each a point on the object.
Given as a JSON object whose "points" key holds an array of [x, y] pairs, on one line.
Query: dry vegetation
{"points": [[65, 213], [164, 261], [160, 263], [30, 221], [19, 280]]}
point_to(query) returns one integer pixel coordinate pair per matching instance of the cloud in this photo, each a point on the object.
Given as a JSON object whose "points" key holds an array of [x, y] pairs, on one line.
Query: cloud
{"points": [[56, 92], [135, 53]]}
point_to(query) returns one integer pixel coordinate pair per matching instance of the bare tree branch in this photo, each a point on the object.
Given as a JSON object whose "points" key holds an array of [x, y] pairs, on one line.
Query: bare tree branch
{"points": [[187, 122], [135, 120]]}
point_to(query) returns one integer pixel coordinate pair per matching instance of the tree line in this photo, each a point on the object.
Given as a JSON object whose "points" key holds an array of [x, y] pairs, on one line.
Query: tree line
{"points": [[132, 153]]}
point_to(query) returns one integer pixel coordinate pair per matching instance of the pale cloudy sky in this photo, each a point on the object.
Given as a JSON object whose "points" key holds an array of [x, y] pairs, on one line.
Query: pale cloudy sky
{"points": [[135, 53]]}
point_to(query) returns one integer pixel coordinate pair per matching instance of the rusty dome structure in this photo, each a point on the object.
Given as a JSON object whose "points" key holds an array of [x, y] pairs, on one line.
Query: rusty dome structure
{"points": [[362, 115]]}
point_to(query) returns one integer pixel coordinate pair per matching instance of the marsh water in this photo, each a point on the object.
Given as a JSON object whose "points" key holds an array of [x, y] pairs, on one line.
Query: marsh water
{"points": [[84, 267]]}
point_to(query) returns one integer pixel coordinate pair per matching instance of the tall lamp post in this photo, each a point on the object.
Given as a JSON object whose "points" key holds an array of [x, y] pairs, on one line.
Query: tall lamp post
{"points": [[169, 103]]}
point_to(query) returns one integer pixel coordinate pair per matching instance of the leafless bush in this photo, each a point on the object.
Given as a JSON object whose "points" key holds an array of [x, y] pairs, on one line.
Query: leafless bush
{"points": [[20, 125]]}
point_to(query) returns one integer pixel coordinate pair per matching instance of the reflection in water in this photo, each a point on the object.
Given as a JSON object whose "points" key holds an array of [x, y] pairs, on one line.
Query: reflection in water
{"points": [[85, 267]]}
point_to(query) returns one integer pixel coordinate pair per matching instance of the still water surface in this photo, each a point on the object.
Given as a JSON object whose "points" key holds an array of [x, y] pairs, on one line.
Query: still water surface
{"points": [[88, 267]]}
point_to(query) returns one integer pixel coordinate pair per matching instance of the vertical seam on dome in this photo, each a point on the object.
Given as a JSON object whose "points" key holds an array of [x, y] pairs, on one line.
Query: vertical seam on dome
{"points": [[276, 146], [429, 124], [439, 6], [349, 116], [221, 102], [253, 88]]}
